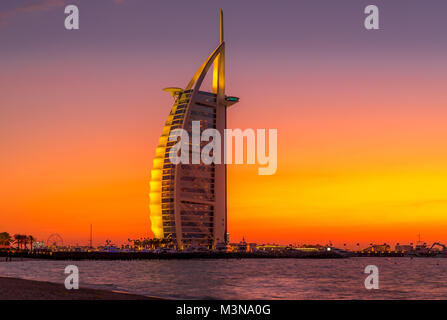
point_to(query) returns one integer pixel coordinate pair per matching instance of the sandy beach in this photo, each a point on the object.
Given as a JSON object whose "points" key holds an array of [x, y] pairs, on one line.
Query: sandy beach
{"points": [[20, 289]]}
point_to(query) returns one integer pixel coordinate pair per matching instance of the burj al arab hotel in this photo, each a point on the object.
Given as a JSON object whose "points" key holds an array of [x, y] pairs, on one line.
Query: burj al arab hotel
{"points": [[188, 202]]}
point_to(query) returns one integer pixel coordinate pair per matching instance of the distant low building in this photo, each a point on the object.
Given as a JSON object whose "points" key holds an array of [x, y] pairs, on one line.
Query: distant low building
{"points": [[270, 248], [223, 247], [404, 247], [252, 247], [38, 245], [242, 246], [308, 248], [378, 248]]}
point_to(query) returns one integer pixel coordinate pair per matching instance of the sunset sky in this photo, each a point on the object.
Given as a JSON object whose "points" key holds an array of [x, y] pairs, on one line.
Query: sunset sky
{"points": [[361, 116]]}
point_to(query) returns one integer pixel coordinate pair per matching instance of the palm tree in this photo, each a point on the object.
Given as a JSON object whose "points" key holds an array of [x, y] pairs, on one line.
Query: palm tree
{"points": [[22, 241], [145, 243], [151, 243], [18, 240], [25, 241], [31, 241], [5, 239], [137, 243]]}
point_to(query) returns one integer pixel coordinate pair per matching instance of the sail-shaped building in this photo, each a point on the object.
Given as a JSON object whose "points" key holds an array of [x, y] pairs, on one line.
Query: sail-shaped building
{"points": [[188, 202]]}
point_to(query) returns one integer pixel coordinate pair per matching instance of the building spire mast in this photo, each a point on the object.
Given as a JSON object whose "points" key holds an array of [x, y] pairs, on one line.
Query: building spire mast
{"points": [[221, 26], [219, 66]]}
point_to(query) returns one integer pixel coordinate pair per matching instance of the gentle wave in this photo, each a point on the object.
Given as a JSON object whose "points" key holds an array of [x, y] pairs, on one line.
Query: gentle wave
{"points": [[400, 278]]}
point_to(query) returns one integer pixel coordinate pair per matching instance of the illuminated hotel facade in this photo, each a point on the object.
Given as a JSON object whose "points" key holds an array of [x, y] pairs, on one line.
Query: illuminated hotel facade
{"points": [[188, 202]]}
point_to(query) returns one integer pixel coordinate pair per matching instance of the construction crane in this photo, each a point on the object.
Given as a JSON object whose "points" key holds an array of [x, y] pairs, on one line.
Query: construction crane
{"points": [[444, 248]]}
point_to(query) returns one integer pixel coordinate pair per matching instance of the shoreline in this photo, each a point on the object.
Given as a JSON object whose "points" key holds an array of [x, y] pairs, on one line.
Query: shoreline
{"points": [[21, 289], [60, 255], [6, 256]]}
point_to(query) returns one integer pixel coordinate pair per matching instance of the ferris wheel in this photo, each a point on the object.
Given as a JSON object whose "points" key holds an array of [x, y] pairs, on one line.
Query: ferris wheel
{"points": [[55, 240]]}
